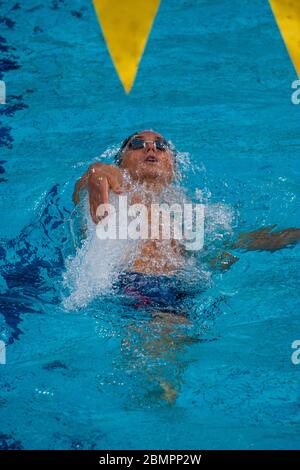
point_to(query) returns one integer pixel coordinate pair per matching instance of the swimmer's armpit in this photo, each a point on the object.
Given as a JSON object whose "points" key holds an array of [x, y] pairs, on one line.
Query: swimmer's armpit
{"points": [[265, 239]]}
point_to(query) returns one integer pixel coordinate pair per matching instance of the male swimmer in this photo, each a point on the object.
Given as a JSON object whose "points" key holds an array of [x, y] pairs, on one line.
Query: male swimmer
{"points": [[144, 167]]}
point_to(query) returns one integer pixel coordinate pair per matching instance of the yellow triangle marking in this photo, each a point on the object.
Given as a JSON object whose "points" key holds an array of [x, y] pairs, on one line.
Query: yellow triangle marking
{"points": [[287, 14], [126, 25]]}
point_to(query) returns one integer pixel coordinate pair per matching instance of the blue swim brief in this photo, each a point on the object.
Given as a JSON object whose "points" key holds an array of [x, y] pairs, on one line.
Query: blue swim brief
{"points": [[152, 292]]}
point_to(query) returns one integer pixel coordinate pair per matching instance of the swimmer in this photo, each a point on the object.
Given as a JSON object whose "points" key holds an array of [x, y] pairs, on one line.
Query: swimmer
{"points": [[148, 162], [147, 159], [144, 167]]}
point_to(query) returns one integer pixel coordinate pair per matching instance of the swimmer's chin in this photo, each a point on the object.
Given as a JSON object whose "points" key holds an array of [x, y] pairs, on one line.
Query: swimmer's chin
{"points": [[150, 170]]}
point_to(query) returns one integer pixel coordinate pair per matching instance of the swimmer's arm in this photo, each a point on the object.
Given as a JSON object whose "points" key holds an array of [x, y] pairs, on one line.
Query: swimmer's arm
{"points": [[265, 239], [258, 240], [99, 179], [80, 184], [219, 262], [83, 181]]}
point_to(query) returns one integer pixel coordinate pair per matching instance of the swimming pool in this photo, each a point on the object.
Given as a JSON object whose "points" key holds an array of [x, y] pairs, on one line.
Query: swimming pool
{"points": [[216, 80]]}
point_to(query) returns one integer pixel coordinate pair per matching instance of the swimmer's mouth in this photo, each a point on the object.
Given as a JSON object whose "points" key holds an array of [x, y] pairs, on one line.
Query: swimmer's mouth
{"points": [[151, 159]]}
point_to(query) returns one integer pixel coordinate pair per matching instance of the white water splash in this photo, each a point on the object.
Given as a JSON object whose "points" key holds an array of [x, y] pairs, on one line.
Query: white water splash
{"points": [[95, 266]]}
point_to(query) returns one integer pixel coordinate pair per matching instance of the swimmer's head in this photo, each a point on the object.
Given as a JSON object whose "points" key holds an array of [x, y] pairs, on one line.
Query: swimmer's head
{"points": [[147, 156]]}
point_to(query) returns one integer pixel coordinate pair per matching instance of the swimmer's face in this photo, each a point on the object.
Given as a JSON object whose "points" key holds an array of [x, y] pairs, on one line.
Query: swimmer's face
{"points": [[147, 157]]}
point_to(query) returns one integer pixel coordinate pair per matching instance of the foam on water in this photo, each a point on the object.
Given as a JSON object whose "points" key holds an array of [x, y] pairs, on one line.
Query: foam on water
{"points": [[94, 267]]}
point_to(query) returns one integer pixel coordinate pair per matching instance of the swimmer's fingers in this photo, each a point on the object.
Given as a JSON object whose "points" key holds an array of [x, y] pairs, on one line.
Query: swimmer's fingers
{"points": [[93, 212], [282, 238], [111, 173], [103, 186], [106, 184], [115, 182], [98, 198], [98, 213], [102, 212]]}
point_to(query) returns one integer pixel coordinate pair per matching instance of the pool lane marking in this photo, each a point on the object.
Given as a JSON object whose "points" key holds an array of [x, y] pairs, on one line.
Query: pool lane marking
{"points": [[126, 26], [287, 15]]}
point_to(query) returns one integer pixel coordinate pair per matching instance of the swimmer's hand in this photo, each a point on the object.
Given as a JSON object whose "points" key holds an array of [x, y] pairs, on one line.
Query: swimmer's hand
{"points": [[223, 261], [102, 179]]}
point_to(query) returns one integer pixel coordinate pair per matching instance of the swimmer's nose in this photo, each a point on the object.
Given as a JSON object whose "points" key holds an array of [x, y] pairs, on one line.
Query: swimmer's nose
{"points": [[150, 146]]}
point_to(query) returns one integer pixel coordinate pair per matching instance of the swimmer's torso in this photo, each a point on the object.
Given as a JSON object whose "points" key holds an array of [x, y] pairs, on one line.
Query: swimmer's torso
{"points": [[158, 257], [155, 256]]}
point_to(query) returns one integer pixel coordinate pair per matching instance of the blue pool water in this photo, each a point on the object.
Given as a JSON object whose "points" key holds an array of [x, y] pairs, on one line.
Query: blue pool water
{"points": [[216, 80]]}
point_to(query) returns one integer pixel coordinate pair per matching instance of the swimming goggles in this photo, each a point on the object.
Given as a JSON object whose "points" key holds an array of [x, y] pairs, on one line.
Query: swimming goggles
{"points": [[137, 144]]}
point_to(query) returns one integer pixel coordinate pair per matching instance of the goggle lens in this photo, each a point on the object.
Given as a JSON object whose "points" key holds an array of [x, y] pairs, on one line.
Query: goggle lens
{"points": [[137, 144]]}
